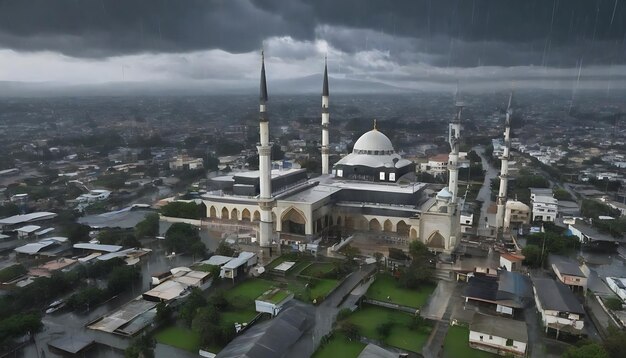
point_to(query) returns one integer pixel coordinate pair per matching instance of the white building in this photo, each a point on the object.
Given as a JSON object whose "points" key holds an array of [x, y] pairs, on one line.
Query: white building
{"points": [[560, 310], [183, 162], [93, 196], [545, 206], [618, 285], [512, 262], [238, 265], [498, 335], [272, 301], [516, 214]]}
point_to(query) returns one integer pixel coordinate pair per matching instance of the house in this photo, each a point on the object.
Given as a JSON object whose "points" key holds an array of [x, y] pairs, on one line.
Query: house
{"points": [[589, 236], [374, 351], [560, 310], [545, 208], [272, 301], [508, 293], [511, 262], [239, 265], [516, 214], [498, 335], [570, 274], [436, 166], [27, 231], [183, 162]]}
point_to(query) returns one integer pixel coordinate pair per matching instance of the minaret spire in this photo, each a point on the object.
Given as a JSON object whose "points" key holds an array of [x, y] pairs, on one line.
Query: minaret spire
{"points": [[504, 168], [454, 140], [325, 122], [265, 176]]}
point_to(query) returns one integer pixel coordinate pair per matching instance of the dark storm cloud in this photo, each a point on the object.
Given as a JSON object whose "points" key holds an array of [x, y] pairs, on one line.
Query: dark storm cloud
{"points": [[445, 33]]}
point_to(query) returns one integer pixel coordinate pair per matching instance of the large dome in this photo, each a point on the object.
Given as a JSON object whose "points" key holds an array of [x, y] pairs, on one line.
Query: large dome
{"points": [[373, 143]]}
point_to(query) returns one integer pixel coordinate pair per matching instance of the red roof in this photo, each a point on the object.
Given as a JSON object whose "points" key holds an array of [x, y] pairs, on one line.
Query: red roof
{"points": [[442, 158]]}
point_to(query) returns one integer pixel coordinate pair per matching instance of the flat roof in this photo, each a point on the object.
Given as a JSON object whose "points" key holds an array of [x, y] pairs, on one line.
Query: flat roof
{"points": [[285, 266], [71, 344], [240, 260], [44, 231], [29, 228], [167, 291], [97, 247], [217, 260], [500, 327], [125, 314], [568, 268], [18, 219]]}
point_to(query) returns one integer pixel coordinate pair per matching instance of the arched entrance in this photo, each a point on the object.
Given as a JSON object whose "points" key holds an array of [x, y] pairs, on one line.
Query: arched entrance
{"points": [[256, 216], [402, 228], [234, 214], [349, 223], [245, 215], [375, 225], [436, 241], [388, 226], [224, 213], [212, 212], [293, 221], [413, 233]]}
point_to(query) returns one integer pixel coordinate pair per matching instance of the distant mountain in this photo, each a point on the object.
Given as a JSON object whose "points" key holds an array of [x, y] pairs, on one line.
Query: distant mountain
{"points": [[307, 84]]}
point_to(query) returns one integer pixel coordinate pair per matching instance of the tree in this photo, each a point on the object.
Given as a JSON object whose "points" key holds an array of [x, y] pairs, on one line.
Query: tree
{"points": [[181, 209], [121, 278], [383, 330], [142, 347], [148, 227], [224, 249], [615, 343], [561, 194], [194, 301], [532, 255], [77, 233], [163, 312], [184, 238], [592, 209], [350, 252], [590, 350], [350, 330]]}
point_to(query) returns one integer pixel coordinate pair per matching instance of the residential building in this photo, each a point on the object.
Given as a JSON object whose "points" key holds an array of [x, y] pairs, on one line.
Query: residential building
{"points": [[511, 262], [570, 274], [183, 162], [560, 310], [272, 301], [498, 335], [516, 214], [544, 205]]}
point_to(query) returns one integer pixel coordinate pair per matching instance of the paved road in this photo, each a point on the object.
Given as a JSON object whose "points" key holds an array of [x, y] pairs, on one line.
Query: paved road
{"points": [[484, 194], [434, 345], [325, 314]]}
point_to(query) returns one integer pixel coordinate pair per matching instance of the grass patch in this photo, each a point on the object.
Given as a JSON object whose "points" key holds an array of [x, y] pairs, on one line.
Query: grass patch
{"points": [[248, 290], [456, 344], [297, 268], [179, 337], [369, 317], [317, 269], [386, 286], [229, 318], [339, 346]]}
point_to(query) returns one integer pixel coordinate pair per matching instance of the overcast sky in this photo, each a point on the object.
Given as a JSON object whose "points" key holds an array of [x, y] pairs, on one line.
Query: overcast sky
{"points": [[404, 43]]}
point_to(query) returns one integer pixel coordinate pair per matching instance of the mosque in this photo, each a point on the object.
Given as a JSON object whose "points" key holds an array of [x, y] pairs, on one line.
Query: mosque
{"points": [[370, 190]]}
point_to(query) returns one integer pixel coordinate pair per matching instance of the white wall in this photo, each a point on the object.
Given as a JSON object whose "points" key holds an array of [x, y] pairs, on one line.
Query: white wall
{"points": [[496, 342]]}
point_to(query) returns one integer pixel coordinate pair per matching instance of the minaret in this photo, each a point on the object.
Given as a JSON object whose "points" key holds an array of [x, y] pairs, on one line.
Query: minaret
{"points": [[265, 175], [453, 159], [504, 168], [325, 121]]}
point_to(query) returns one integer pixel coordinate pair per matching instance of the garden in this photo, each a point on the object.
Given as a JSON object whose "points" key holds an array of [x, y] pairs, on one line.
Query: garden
{"points": [[456, 344], [386, 289]]}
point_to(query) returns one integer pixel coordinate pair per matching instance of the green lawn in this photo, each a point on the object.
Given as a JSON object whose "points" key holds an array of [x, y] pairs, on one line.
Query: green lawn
{"points": [[179, 337], [339, 347], [457, 345], [385, 285], [369, 317], [295, 270], [248, 290], [318, 268], [229, 318]]}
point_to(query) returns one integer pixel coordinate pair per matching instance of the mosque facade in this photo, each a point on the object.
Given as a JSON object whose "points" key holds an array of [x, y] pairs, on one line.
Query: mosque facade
{"points": [[370, 190]]}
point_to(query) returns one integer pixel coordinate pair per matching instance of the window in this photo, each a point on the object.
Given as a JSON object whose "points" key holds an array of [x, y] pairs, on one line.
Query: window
{"points": [[382, 176], [392, 176], [339, 172], [509, 342], [490, 337], [481, 338]]}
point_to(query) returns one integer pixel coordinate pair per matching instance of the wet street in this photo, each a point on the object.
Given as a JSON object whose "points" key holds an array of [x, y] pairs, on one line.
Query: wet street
{"points": [[484, 194]]}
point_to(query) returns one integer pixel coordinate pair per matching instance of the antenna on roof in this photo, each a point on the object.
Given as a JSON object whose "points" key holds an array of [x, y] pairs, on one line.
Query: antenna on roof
{"points": [[375, 127]]}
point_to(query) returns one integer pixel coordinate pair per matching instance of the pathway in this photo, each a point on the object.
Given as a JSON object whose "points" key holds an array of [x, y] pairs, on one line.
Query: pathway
{"points": [[326, 312], [434, 345]]}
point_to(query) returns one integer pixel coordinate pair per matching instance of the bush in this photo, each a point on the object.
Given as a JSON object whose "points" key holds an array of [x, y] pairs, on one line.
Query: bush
{"points": [[343, 314], [613, 303], [383, 330], [86, 297], [149, 226], [183, 238], [350, 330], [180, 209], [12, 272], [121, 278]]}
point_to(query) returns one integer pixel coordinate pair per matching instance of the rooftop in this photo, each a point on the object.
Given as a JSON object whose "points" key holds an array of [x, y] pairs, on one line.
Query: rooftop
{"points": [[275, 295], [555, 296], [18, 219], [500, 327]]}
